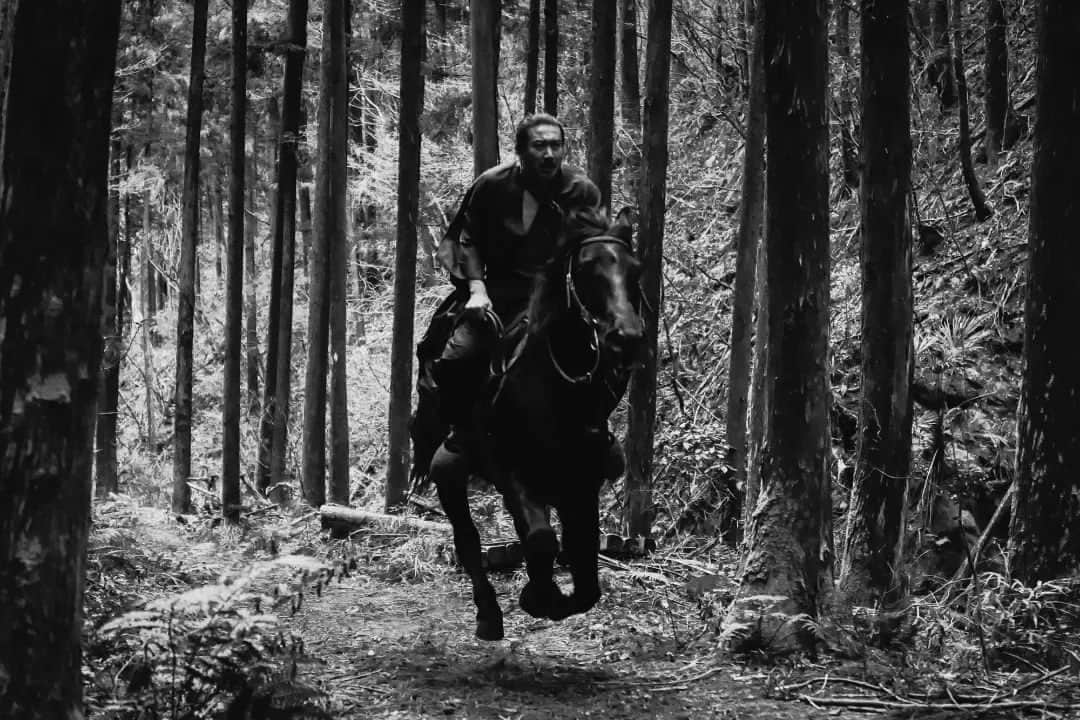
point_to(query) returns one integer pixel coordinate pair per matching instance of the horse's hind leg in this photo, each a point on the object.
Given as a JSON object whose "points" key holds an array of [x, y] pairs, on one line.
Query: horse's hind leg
{"points": [[450, 473], [540, 597]]}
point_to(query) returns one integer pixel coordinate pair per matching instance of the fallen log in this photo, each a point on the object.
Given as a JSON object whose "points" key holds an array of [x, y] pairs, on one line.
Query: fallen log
{"points": [[341, 520]]}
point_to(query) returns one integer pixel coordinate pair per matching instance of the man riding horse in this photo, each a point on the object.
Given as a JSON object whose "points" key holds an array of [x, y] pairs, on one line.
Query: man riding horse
{"points": [[510, 224]]}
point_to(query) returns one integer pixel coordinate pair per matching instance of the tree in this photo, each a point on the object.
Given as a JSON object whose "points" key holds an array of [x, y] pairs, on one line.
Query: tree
{"points": [[630, 94], [286, 202], [339, 255], [1045, 533], [870, 562], [484, 25], [602, 98], [251, 323], [641, 425], [185, 316], [978, 200], [532, 57], [401, 350], [53, 243], [751, 210], [234, 283], [551, 57], [8, 8], [787, 568], [112, 330], [997, 78]]}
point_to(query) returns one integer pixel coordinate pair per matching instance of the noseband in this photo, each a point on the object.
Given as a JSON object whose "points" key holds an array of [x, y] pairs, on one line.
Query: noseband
{"points": [[573, 303]]}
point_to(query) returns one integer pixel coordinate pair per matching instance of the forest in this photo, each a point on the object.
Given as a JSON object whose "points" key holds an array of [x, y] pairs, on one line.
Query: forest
{"points": [[846, 452]]}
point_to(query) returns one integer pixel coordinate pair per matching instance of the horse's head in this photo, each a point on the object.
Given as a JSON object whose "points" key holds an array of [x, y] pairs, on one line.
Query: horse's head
{"points": [[601, 284]]}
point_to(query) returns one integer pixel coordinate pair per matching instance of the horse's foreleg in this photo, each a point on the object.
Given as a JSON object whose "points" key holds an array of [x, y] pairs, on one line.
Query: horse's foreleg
{"points": [[540, 597], [581, 538], [450, 473]]}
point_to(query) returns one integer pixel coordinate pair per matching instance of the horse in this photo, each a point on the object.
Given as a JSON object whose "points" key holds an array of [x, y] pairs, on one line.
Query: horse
{"points": [[541, 436]]}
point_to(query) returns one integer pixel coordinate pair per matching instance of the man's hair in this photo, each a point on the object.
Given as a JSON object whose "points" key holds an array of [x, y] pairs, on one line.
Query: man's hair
{"points": [[521, 137]]}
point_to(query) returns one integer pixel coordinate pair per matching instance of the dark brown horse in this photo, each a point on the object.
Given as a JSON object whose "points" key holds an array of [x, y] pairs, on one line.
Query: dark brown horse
{"points": [[541, 434]]}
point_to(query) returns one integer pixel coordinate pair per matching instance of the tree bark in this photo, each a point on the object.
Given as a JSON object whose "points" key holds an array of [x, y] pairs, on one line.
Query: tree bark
{"points": [[484, 26], [266, 425], [1045, 530], [52, 255], [112, 324], [997, 78], [339, 258], [401, 350], [630, 96], [787, 570], [870, 567], [641, 426], [185, 316], [234, 283], [8, 9], [532, 57], [847, 112], [602, 98], [751, 212], [551, 57], [251, 321], [978, 200]]}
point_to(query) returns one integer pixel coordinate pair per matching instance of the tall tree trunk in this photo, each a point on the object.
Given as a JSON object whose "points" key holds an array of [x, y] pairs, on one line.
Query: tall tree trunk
{"points": [[551, 57], [146, 290], [847, 112], [744, 22], [997, 78], [401, 350], [755, 433], [787, 570], [630, 96], [286, 200], [251, 321], [217, 219], [185, 316], [641, 426], [751, 211], [871, 562], [602, 98], [234, 283], [52, 256], [8, 9], [532, 57], [266, 425], [484, 25], [1045, 531], [978, 200], [112, 324], [339, 255]]}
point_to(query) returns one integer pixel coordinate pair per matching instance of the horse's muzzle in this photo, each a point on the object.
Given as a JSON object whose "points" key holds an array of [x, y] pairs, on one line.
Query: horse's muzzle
{"points": [[625, 346]]}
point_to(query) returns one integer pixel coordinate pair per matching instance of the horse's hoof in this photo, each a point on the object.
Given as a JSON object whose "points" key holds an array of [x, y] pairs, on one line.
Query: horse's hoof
{"points": [[542, 541], [489, 628], [539, 603]]}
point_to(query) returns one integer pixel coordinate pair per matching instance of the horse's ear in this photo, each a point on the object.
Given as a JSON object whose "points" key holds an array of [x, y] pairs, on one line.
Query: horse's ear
{"points": [[623, 225], [625, 216]]}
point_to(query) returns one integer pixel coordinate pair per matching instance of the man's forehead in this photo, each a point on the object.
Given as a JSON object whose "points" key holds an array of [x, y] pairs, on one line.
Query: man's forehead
{"points": [[545, 131]]}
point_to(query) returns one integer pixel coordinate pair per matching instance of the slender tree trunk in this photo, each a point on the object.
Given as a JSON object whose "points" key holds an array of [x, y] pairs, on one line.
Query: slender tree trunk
{"points": [[112, 323], [787, 570], [871, 563], [997, 78], [218, 221], [630, 96], [602, 98], [484, 23], [744, 21], [185, 316], [313, 480], [978, 200], [532, 57], [1045, 531], [751, 212], [234, 284], [266, 426], [339, 256], [758, 389], [8, 9], [401, 350], [551, 57], [252, 276], [846, 91], [641, 427], [52, 257], [146, 289]]}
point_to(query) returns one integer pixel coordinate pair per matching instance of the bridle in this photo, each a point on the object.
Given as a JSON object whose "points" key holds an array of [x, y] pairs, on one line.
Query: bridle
{"points": [[574, 303]]}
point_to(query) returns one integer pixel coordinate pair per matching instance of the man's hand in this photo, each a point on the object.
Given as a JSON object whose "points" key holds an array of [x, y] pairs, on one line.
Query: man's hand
{"points": [[478, 297]]}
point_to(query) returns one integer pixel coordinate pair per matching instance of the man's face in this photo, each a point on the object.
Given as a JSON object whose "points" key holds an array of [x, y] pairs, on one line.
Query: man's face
{"points": [[542, 156]]}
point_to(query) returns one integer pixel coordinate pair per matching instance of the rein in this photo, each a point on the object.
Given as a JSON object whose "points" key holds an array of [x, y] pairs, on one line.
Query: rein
{"points": [[573, 302]]}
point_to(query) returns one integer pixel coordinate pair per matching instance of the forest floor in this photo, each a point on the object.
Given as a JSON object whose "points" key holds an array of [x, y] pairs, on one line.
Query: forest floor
{"points": [[393, 637]]}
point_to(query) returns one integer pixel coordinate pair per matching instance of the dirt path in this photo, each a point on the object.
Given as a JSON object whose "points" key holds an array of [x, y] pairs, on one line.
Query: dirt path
{"points": [[406, 650]]}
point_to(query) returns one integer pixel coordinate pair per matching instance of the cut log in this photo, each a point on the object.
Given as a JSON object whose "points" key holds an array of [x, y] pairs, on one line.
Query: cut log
{"points": [[342, 520]]}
